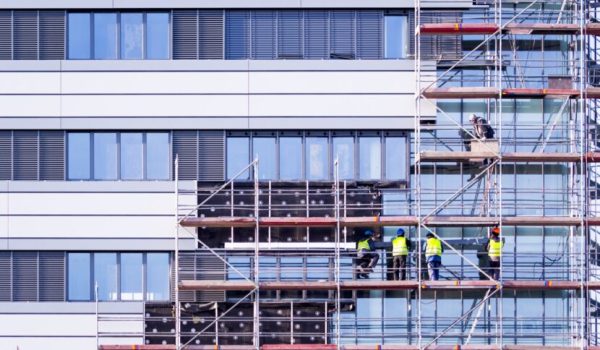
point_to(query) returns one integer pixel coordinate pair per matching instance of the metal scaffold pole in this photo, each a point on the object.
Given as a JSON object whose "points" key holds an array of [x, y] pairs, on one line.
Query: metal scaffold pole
{"points": [[256, 326], [417, 166], [177, 313], [338, 304]]}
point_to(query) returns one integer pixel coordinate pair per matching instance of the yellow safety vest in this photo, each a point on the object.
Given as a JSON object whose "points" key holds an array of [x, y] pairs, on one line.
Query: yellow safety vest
{"points": [[399, 246], [364, 244], [434, 247], [495, 248]]}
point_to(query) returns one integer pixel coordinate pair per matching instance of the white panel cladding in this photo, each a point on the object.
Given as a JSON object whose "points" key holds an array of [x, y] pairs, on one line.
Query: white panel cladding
{"points": [[47, 325], [30, 105], [21, 83], [48, 343]]}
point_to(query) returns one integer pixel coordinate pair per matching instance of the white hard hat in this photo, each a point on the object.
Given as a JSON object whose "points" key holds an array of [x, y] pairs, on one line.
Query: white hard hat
{"points": [[472, 117]]}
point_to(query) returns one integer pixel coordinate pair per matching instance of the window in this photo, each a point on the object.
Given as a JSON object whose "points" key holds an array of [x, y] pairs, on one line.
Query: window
{"points": [[290, 158], [395, 158], [238, 156], [105, 36], [370, 158], [343, 150], [105, 275], [157, 280], [79, 34], [112, 35], [119, 276], [131, 276], [78, 159], [317, 160], [264, 148], [123, 156], [157, 36], [79, 277], [132, 36], [396, 33]]}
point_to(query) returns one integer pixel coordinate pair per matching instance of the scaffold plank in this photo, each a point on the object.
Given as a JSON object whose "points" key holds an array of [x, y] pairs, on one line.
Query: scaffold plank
{"points": [[387, 285], [477, 92], [347, 347], [172, 347], [457, 28], [220, 221], [445, 156], [510, 28], [461, 92]]}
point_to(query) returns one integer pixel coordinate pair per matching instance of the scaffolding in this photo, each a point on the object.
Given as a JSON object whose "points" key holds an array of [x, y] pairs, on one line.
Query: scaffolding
{"points": [[569, 143]]}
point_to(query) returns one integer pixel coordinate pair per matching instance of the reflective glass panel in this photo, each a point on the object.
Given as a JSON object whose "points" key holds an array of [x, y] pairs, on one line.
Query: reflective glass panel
{"points": [[105, 36], [132, 156], [317, 158], [131, 276], [395, 158], [105, 156], [132, 36], [79, 34], [157, 156], [238, 156], [264, 148], [157, 276], [79, 286], [290, 158], [78, 156], [105, 275], [343, 149], [370, 158], [157, 36], [395, 37]]}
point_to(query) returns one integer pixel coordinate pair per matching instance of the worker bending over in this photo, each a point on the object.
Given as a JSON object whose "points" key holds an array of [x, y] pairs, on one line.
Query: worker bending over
{"points": [[366, 254], [433, 253], [400, 248], [494, 249]]}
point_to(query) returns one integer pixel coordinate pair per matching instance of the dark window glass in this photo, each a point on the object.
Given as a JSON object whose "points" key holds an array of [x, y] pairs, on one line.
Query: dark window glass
{"points": [[157, 36], [157, 272], [290, 158], [79, 34], [157, 156], [79, 276], [131, 276], [317, 160], [105, 275], [238, 156], [396, 43], [105, 156], [370, 158], [264, 148], [132, 156], [78, 159], [132, 36], [105, 36], [395, 158], [343, 149]]}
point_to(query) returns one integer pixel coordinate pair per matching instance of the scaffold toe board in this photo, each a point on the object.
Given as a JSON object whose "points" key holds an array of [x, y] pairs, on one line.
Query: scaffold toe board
{"points": [[461, 92], [515, 93], [172, 347], [515, 157], [237, 221], [346, 347], [510, 28]]}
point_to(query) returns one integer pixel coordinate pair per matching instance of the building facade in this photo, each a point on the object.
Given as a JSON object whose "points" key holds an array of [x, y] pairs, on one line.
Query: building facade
{"points": [[185, 174]]}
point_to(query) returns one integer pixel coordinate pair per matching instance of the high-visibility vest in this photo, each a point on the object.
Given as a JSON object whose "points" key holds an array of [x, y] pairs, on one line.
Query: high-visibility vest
{"points": [[363, 245], [399, 246], [434, 247], [495, 248]]}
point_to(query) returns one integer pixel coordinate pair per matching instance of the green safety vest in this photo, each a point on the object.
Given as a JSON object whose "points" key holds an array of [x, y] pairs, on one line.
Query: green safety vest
{"points": [[434, 247], [495, 248], [364, 244], [399, 246]]}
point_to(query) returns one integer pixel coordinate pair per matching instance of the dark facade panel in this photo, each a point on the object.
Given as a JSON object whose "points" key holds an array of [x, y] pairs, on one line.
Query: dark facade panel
{"points": [[52, 276], [211, 156], [52, 35], [25, 27], [342, 36], [316, 34], [289, 34], [5, 35], [25, 155], [264, 35], [185, 34], [210, 34], [369, 34], [5, 276], [25, 276], [52, 155], [5, 155], [185, 147], [237, 34]]}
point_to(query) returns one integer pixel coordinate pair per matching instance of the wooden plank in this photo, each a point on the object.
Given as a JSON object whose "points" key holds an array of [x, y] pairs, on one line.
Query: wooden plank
{"points": [[220, 221], [215, 285], [461, 92], [445, 156], [539, 93], [510, 28], [458, 28]]}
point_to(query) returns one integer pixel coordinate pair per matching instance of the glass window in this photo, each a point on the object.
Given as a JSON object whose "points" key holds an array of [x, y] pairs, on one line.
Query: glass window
{"points": [[105, 36], [370, 158], [238, 156], [132, 36], [157, 156], [343, 149], [131, 276], [395, 158], [105, 156], [290, 158], [79, 277], [317, 158], [78, 159], [157, 36], [264, 148], [396, 43], [79, 34], [132, 155], [157, 276], [105, 275]]}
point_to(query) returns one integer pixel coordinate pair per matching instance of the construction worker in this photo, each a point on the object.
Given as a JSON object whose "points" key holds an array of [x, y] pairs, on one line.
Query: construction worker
{"points": [[368, 257], [400, 248], [433, 254], [481, 128], [494, 249]]}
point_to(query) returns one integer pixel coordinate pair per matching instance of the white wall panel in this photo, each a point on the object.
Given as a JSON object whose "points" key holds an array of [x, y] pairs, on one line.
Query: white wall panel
{"points": [[30, 106], [48, 343], [154, 82], [29, 83], [47, 325]]}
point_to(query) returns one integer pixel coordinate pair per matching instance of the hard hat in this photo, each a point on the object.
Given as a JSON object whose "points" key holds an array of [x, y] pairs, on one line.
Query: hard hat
{"points": [[429, 234], [368, 233], [472, 117], [496, 230], [400, 232]]}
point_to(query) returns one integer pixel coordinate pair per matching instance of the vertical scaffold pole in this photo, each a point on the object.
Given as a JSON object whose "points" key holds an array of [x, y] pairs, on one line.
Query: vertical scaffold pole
{"points": [[417, 163], [498, 173], [338, 303], [256, 328], [177, 313]]}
